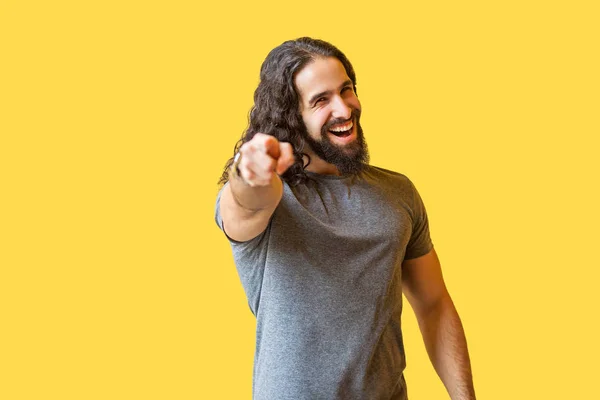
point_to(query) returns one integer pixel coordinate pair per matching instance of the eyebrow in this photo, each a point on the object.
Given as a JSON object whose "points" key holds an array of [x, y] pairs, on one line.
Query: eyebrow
{"points": [[320, 94]]}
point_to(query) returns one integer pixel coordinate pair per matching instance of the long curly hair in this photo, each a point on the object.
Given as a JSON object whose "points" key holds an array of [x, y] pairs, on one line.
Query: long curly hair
{"points": [[276, 109]]}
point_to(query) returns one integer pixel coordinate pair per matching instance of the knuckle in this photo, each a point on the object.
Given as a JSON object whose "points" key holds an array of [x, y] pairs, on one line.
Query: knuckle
{"points": [[261, 138], [247, 165], [250, 153], [247, 148]]}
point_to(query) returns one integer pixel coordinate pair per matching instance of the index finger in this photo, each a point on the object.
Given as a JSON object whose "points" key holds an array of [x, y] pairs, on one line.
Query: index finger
{"points": [[270, 145]]}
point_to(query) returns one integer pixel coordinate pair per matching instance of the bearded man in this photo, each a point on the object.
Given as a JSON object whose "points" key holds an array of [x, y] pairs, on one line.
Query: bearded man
{"points": [[325, 244]]}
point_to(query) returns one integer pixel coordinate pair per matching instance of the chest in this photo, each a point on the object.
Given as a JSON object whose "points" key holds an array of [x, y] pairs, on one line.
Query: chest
{"points": [[346, 217], [337, 247]]}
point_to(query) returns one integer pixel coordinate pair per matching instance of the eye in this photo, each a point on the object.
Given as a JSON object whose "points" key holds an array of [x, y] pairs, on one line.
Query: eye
{"points": [[320, 100]]}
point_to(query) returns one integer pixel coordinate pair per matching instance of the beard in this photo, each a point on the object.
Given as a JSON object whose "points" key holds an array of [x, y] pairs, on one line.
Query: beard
{"points": [[349, 159]]}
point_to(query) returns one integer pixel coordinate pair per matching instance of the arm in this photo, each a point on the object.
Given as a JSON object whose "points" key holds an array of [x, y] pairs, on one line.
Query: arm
{"points": [[424, 287], [250, 198]]}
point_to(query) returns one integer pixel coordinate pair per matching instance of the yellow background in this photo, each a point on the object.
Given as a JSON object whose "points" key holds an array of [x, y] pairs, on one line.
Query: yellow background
{"points": [[116, 119]]}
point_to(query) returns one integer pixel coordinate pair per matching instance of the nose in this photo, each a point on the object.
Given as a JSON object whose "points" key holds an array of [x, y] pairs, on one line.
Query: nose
{"points": [[340, 109]]}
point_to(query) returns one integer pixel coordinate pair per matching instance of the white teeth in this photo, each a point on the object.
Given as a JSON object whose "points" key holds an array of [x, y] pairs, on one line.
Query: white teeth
{"points": [[343, 128]]}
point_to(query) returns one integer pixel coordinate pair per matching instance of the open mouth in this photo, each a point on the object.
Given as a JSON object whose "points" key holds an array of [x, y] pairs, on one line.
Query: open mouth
{"points": [[342, 130]]}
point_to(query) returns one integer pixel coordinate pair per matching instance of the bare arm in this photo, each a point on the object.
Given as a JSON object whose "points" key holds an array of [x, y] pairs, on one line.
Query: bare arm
{"points": [[249, 199], [440, 325]]}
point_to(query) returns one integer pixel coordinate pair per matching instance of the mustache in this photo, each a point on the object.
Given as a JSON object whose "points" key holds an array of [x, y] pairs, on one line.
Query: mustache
{"points": [[354, 117]]}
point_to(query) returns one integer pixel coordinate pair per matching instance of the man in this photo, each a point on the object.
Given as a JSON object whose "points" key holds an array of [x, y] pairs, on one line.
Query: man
{"points": [[326, 244]]}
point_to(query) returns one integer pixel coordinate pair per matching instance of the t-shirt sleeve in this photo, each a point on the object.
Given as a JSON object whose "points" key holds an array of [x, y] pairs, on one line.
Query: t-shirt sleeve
{"points": [[249, 257], [420, 240], [218, 217]]}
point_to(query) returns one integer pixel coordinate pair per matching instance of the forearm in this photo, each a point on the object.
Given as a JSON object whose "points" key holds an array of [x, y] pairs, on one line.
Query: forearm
{"points": [[246, 210], [446, 345], [252, 199], [255, 187]]}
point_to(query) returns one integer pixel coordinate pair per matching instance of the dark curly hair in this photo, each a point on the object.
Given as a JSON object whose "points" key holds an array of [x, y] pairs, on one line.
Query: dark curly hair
{"points": [[276, 108]]}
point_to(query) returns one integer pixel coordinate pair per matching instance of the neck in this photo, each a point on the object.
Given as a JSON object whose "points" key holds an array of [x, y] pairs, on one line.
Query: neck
{"points": [[318, 166]]}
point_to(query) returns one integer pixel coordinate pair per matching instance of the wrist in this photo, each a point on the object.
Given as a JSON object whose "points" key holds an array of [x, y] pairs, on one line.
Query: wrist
{"points": [[234, 171]]}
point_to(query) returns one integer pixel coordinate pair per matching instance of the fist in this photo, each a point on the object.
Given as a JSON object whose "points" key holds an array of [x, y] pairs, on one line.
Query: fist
{"points": [[262, 158]]}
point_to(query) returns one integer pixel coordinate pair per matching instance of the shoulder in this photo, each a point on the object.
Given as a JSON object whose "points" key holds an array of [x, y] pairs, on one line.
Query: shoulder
{"points": [[395, 185], [386, 177]]}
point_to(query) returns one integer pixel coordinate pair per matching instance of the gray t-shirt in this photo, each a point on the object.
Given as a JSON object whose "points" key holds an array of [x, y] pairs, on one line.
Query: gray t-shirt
{"points": [[324, 282]]}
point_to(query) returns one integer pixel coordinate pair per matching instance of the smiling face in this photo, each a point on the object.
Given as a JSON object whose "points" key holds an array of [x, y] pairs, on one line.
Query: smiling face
{"points": [[331, 113]]}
